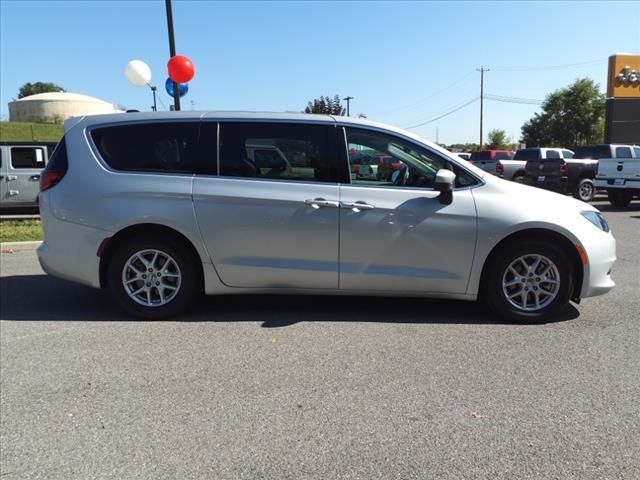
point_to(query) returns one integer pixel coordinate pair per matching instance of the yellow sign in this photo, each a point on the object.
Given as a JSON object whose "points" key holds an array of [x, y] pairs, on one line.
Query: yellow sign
{"points": [[624, 76]]}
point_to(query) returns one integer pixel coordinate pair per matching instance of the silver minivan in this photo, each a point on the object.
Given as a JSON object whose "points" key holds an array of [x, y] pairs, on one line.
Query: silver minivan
{"points": [[20, 167], [161, 207]]}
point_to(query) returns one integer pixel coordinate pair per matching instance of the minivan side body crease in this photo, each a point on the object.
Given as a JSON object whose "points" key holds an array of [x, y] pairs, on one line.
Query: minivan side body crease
{"points": [[160, 207]]}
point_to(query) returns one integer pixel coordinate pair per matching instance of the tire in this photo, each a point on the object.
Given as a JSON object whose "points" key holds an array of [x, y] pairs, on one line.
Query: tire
{"points": [[619, 198], [177, 282], [518, 178], [585, 190], [500, 282]]}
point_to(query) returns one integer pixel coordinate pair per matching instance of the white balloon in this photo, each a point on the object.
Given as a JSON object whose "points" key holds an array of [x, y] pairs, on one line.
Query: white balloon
{"points": [[138, 73]]}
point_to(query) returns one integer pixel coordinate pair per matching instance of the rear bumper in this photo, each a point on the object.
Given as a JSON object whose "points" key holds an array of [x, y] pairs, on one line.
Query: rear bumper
{"points": [[69, 250], [556, 184], [622, 184]]}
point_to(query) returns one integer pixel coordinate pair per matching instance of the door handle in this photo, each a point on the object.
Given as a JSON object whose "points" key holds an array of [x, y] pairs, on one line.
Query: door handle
{"points": [[13, 193], [358, 206], [11, 177], [35, 178], [321, 202]]}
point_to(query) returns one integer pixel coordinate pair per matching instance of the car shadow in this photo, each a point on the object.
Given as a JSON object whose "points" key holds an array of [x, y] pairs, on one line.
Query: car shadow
{"points": [[634, 206], [46, 298]]}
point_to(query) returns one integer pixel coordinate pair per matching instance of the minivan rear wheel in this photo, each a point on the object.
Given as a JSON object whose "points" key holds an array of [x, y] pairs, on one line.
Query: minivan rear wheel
{"points": [[153, 278], [529, 281]]}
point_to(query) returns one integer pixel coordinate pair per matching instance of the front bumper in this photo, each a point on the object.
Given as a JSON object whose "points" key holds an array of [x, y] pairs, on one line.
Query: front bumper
{"points": [[600, 248]]}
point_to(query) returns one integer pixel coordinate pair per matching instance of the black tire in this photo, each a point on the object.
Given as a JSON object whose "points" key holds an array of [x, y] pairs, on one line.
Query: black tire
{"points": [[585, 190], [518, 178], [493, 293], [189, 285], [619, 198]]}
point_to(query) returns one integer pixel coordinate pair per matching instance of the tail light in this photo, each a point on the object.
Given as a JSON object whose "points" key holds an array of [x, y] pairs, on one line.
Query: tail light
{"points": [[499, 168], [564, 168], [56, 168]]}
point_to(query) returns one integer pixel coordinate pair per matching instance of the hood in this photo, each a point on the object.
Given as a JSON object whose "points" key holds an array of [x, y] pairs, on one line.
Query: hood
{"points": [[535, 199]]}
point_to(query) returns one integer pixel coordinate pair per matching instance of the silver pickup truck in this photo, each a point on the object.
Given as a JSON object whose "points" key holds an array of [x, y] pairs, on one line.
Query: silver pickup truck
{"points": [[20, 167], [514, 169], [620, 174]]}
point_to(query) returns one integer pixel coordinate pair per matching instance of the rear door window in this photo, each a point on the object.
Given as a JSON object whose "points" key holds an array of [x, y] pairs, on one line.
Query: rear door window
{"points": [[280, 151], [27, 157], [502, 156], [167, 147], [623, 152], [552, 155]]}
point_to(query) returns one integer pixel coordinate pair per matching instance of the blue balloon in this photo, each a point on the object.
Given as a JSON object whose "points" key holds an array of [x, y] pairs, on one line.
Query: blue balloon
{"points": [[183, 88]]}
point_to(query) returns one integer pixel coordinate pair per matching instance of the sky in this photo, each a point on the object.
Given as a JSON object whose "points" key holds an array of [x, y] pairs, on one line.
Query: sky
{"points": [[405, 63]]}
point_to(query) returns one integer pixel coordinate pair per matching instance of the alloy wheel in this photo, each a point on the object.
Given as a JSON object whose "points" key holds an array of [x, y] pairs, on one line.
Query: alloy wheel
{"points": [[151, 278], [531, 282]]}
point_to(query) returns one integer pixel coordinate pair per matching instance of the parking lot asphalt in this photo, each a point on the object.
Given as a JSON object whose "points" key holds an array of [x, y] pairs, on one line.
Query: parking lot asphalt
{"points": [[317, 387]]}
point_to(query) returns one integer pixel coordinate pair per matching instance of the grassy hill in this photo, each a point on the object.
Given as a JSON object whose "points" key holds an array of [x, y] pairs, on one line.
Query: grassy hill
{"points": [[36, 132]]}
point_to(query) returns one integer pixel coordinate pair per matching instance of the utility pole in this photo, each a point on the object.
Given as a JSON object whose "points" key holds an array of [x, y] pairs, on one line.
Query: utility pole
{"points": [[172, 52], [347, 99], [481, 70], [437, 142]]}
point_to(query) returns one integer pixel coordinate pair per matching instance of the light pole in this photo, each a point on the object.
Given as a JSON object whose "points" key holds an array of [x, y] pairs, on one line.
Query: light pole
{"points": [[153, 90], [172, 52], [347, 100]]}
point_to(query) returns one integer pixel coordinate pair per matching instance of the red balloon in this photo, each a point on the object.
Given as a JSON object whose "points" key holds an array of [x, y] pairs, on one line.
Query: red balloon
{"points": [[180, 69]]}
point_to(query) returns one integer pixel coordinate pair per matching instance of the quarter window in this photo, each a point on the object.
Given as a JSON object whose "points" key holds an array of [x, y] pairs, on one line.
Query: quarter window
{"points": [[623, 152], [279, 151], [27, 157], [384, 160], [568, 154], [153, 147]]}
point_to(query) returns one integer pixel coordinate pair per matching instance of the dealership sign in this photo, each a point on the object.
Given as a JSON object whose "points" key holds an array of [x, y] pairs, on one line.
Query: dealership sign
{"points": [[628, 76], [623, 80]]}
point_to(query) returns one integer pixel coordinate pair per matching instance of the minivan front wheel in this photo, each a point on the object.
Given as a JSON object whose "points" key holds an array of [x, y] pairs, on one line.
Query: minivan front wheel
{"points": [[153, 278], [529, 281]]}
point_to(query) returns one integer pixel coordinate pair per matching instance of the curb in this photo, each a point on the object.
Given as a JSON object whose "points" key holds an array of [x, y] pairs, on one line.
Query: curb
{"points": [[20, 245]]}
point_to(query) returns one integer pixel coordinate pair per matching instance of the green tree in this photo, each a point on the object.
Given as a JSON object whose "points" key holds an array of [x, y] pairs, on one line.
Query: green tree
{"points": [[498, 140], [570, 117], [38, 87], [326, 105]]}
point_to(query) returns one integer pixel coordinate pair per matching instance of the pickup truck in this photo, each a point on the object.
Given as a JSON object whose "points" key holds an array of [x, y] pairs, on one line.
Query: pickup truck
{"points": [[620, 176], [487, 160], [20, 167], [564, 172], [514, 169]]}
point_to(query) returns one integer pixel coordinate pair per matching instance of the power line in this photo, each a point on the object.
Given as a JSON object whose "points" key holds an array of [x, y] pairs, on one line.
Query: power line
{"points": [[438, 92], [548, 67], [524, 101], [460, 107]]}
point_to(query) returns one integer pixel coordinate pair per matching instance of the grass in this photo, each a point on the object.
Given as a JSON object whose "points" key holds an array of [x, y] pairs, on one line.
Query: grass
{"points": [[20, 230], [31, 132]]}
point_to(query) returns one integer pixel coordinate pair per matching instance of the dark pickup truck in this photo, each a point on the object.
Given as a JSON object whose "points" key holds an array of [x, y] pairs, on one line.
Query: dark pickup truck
{"points": [[566, 173]]}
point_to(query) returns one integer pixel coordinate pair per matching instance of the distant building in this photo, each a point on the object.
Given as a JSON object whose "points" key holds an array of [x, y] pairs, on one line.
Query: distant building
{"points": [[56, 107]]}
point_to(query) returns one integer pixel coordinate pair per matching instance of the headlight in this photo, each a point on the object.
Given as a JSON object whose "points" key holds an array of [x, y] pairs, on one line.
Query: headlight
{"points": [[597, 219]]}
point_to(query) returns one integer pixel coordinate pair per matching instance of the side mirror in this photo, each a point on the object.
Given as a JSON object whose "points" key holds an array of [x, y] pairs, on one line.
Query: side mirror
{"points": [[445, 180]]}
